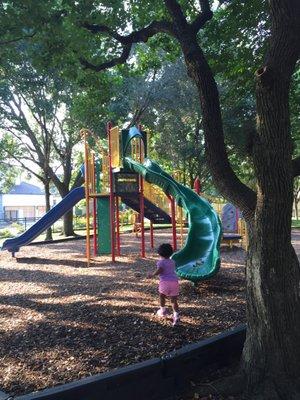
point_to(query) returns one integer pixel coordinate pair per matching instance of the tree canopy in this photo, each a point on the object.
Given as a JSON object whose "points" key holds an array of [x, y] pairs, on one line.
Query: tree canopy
{"points": [[242, 57]]}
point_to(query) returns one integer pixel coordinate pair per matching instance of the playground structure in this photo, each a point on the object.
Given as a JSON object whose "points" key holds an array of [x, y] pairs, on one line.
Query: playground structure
{"points": [[107, 184], [233, 223], [120, 171], [234, 226], [117, 171]]}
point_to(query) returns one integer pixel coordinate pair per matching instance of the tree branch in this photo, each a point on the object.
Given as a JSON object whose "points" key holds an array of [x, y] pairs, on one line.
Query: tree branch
{"points": [[79, 180], [176, 12], [285, 28], [205, 15], [95, 28], [24, 166], [140, 36], [108, 64], [4, 42], [23, 119], [198, 69]]}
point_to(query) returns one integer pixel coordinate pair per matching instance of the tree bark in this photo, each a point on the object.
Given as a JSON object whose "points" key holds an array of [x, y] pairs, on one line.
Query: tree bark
{"points": [[271, 353], [63, 189], [224, 178], [48, 207], [68, 229], [271, 356]]}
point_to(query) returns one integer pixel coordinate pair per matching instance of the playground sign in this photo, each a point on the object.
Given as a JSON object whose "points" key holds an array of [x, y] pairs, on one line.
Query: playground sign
{"points": [[126, 183]]}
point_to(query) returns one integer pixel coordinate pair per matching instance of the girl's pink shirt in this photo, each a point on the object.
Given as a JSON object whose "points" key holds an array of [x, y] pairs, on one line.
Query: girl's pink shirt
{"points": [[167, 267]]}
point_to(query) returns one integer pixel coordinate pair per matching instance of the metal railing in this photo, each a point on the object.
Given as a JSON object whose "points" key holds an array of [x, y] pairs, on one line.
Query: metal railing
{"points": [[16, 226]]}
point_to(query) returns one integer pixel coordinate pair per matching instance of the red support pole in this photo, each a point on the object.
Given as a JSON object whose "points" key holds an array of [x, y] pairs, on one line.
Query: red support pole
{"points": [[151, 235], [197, 185], [142, 206], [87, 197], [142, 217], [111, 198], [118, 227]]}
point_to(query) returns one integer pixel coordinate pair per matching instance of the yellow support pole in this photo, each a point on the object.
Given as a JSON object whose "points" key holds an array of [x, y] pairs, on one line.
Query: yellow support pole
{"points": [[92, 172]]}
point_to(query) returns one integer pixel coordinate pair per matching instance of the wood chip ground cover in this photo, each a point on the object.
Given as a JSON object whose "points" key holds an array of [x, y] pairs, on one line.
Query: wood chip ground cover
{"points": [[61, 321]]}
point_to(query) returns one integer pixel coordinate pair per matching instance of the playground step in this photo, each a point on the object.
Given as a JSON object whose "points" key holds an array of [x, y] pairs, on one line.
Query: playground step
{"points": [[151, 211]]}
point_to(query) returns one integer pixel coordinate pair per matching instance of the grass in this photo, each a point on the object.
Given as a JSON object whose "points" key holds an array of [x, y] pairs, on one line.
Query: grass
{"points": [[296, 223]]}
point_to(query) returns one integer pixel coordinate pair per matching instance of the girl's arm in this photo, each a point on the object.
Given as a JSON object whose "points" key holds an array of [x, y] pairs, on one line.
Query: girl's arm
{"points": [[157, 272]]}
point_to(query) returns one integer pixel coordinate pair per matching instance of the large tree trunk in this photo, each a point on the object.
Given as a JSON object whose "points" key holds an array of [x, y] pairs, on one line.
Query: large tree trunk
{"points": [[63, 188], [68, 229], [271, 357], [48, 206], [67, 218], [272, 350]]}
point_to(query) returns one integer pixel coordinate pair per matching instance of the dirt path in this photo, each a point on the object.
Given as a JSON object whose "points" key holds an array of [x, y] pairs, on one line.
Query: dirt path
{"points": [[61, 321]]}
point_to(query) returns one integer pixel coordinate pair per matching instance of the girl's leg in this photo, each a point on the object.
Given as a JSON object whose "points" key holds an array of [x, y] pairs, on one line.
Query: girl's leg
{"points": [[162, 302], [175, 310], [174, 304]]}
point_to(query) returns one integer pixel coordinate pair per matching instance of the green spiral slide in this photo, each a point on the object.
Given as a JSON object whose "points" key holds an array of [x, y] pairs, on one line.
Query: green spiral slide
{"points": [[199, 259]]}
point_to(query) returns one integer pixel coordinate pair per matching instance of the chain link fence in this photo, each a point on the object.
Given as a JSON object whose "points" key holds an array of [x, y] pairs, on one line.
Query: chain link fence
{"points": [[15, 226]]}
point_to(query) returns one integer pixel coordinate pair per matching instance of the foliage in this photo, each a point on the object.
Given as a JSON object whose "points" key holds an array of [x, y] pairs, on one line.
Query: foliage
{"points": [[97, 36], [8, 173], [6, 233]]}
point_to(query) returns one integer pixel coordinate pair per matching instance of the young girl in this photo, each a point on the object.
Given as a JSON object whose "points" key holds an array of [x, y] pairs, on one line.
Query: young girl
{"points": [[168, 281]]}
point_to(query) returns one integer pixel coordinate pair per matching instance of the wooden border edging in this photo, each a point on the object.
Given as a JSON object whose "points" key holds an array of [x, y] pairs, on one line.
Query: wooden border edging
{"points": [[4, 396], [155, 379]]}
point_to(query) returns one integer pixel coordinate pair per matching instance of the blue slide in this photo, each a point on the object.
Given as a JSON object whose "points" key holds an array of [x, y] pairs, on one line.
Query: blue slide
{"points": [[13, 245]]}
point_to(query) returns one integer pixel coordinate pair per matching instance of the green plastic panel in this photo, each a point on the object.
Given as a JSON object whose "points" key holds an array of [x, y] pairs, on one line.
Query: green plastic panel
{"points": [[103, 219], [128, 135], [199, 259]]}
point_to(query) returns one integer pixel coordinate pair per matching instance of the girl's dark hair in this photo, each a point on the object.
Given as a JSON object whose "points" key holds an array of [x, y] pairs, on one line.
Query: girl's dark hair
{"points": [[165, 250]]}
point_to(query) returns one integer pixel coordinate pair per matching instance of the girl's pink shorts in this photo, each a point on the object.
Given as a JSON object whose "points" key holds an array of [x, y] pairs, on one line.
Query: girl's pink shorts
{"points": [[169, 288]]}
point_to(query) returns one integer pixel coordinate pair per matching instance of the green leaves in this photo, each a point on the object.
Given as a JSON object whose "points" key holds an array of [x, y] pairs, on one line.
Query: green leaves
{"points": [[53, 36]]}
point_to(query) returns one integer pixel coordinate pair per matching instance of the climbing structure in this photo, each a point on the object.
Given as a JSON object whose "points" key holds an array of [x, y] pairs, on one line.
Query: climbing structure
{"points": [[118, 170], [121, 172]]}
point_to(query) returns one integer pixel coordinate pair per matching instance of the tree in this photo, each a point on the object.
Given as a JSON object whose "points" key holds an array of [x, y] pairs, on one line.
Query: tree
{"points": [[39, 136], [271, 356], [154, 98], [8, 173]]}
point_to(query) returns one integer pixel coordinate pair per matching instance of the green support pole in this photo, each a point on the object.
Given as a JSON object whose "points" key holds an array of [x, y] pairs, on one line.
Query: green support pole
{"points": [[103, 219]]}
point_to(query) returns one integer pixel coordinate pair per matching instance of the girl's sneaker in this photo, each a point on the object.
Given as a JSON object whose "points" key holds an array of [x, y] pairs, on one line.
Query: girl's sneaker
{"points": [[162, 312], [176, 319]]}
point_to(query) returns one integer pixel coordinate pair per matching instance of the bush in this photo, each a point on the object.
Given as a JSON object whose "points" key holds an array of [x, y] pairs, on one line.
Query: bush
{"points": [[5, 233], [17, 227], [79, 223]]}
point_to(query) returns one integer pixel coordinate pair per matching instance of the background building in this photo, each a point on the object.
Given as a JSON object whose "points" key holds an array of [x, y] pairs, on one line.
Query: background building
{"points": [[24, 201]]}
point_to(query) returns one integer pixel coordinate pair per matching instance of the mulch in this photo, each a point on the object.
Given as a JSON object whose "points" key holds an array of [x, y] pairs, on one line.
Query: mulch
{"points": [[61, 321]]}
